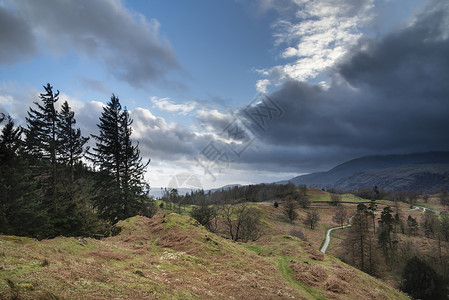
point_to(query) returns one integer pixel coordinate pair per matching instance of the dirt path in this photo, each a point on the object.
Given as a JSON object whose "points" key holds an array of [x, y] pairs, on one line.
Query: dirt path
{"points": [[328, 234]]}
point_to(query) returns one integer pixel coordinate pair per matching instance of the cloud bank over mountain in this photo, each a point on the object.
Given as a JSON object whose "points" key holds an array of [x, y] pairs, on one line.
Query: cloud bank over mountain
{"points": [[341, 92]]}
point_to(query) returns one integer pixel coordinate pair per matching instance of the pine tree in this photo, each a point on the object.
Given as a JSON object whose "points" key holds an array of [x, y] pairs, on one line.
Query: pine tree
{"points": [[445, 225], [132, 170], [358, 240], [107, 156], [386, 224], [41, 130], [121, 191], [10, 139], [76, 214], [372, 212], [70, 141], [40, 138], [21, 211]]}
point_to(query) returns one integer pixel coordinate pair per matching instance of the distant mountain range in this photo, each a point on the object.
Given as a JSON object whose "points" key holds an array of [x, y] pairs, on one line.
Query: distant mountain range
{"points": [[157, 193], [417, 171], [225, 188]]}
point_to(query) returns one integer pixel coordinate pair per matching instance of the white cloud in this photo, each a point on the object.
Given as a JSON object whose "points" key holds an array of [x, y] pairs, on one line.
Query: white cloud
{"points": [[320, 33], [215, 114], [6, 100], [165, 104], [261, 85], [15, 100], [212, 120]]}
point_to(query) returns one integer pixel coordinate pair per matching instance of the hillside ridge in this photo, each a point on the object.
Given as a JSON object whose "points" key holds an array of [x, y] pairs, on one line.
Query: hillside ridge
{"points": [[343, 175], [171, 256]]}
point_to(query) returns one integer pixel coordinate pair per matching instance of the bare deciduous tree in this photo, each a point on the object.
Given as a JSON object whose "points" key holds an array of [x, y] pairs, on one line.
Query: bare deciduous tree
{"points": [[303, 189], [430, 223], [303, 201], [425, 197], [242, 221], [340, 215], [289, 208], [312, 219], [412, 225], [335, 198], [444, 199]]}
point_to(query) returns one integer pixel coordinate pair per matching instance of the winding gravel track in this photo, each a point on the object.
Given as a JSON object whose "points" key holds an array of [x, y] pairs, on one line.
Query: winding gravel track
{"points": [[328, 235], [328, 232]]}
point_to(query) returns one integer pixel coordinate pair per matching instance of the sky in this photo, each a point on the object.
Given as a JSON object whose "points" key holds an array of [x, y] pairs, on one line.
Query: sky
{"points": [[243, 91]]}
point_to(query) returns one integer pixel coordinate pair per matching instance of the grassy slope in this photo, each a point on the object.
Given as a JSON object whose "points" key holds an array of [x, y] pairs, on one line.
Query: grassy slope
{"points": [[168, 257], [326, 211], [337, 245]]}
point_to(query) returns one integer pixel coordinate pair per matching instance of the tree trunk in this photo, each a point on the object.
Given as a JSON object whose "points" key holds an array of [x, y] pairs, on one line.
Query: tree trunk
{"points": [[53, 162]]}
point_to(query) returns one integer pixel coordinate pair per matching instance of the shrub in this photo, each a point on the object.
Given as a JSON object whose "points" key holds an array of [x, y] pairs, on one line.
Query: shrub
{"points": [[205, 215], [299, 234], [421, 281]]}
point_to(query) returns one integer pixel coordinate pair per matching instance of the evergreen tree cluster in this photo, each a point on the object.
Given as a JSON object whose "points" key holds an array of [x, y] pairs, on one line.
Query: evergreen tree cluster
{"points": [[48, 189]]}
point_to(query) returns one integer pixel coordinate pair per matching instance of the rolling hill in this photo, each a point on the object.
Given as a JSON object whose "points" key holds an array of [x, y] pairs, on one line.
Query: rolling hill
{"points": [[410, 177], [418, 171], [172, 257]]}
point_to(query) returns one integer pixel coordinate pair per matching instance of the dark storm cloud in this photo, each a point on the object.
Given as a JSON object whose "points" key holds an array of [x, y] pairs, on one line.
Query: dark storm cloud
{"points": [[16, 39], [416, 54], [387, 96], [128, 43], [96, 85]]}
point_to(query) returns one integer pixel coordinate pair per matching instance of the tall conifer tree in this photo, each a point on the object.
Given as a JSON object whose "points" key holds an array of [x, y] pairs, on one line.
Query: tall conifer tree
{"points": [[70, 141], [132, 171], [122, 187], [41, 126], [41, 137]]}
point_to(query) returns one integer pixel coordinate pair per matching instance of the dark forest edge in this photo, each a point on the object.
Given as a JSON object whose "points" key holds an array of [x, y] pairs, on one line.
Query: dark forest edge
{"points": [[46, 189]]}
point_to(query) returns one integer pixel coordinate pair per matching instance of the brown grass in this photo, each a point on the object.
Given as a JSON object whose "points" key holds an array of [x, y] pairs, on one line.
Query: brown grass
{"points": [[168, 257], [336, 286], [343, 274], [176, 240], [313, 253], [311, 275], [108, 255]]}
